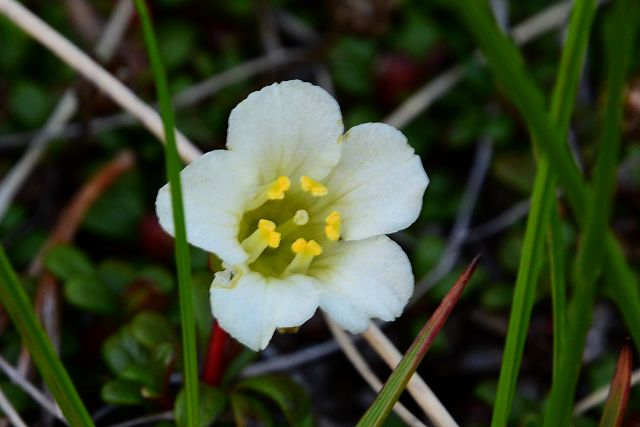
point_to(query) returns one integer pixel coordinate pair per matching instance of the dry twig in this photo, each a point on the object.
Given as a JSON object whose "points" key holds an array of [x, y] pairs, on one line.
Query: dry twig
{"points": [[93, 72], [66, 108], [418, 389], [350, 350]]}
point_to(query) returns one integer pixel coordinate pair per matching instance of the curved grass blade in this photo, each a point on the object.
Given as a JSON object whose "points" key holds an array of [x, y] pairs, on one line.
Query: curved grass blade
{"points": [[543, 216], [508, 67], [619, 36], [17, 304], [183, 262], [616, 404], [390, 393]]}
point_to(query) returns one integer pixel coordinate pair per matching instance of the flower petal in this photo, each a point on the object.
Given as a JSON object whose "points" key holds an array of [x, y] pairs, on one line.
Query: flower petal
{"points": [[256, 306], [215, 188], [363, 279], [290, 128], [379, 182]]}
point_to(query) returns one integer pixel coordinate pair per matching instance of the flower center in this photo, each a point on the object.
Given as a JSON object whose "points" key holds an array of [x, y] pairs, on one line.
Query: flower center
{"points": [[285, 227]]}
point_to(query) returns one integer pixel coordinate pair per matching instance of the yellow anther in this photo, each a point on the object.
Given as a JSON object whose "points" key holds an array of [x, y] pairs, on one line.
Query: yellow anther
{"points": [[305, 252], [266, 226], [314, 187], [332, 229], [278, 188], [309, 248], [265, 236], [268, 233]]}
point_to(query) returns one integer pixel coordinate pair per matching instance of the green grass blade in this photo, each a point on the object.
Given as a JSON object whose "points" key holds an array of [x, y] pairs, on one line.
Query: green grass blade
{"points": [[17, 304], [388, 396], [531, 260], [507, 65], [616, 404], [542, 212], [619, 33], [183, 263], [558, 287]]}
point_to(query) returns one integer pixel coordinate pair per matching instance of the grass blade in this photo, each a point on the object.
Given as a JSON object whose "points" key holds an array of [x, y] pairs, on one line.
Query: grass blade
{"points": [[17, 304], [388, 396], [616, 404], [558, 287], [183, 263], [542, 212], [507, 65], [619, 36]]}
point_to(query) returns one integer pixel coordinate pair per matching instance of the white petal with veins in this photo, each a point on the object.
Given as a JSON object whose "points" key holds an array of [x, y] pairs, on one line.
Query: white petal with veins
{"points": [[290, 128], [364, 279], [378, 184], [215, 188], [253, 309]]}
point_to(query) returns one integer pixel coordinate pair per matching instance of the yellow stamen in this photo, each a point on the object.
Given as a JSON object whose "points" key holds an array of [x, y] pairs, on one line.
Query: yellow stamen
{"points": [[314, 187], [258, 241], [272, 191], [332, 229], [305, 252], [278, 188], [307, 248], [268, 233]]}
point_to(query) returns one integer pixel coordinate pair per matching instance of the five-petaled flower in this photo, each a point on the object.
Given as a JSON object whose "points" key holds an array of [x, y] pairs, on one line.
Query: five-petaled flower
{"points": [[299, 212]]}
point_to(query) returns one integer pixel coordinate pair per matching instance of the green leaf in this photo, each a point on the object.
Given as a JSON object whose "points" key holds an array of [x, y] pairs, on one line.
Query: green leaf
{"points": [[15, 47], [416, 35], [351, 62], [115, 274], [29, 102], [152, 329], [177, 42], [390, 393], [212, 402], [15, 395], [160, 277], [89, 293], [290, 397], [249, 411], [122, 392], [117, 213], [122, 349], [67, 262], [141, 374]]}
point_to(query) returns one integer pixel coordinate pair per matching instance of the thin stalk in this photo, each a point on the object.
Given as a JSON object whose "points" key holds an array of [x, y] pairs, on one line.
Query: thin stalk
{"points": [[619, 36], [508, 67], [17, 304], [183, 263], [558, 287], [542, 212]]}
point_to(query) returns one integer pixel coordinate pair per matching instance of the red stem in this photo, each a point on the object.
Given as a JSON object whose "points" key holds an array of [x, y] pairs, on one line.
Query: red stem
{"points": [[213, 364]]}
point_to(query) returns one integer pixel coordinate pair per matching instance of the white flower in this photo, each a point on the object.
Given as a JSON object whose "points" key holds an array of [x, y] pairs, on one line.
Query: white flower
{"points": [[298, 212]]}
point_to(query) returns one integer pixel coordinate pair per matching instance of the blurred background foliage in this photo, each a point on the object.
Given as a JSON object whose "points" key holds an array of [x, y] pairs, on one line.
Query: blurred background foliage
{"points": [[119, 333]]}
